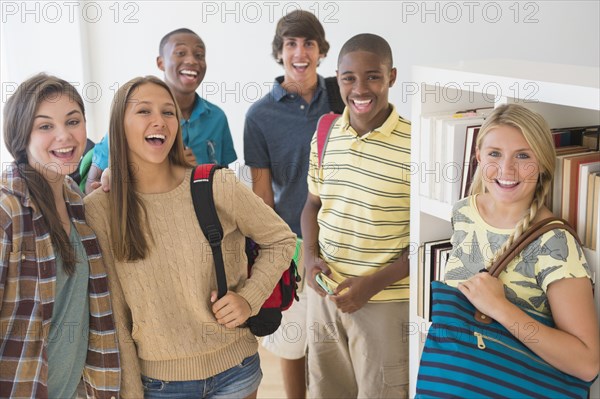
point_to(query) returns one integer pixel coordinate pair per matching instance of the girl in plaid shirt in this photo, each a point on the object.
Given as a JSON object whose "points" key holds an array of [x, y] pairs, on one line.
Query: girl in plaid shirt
{"points": [[56, 320]]}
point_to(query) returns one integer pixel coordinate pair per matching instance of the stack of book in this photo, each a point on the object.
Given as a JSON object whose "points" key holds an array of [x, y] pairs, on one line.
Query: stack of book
{"points": [[575, 189], [433, 256], [444, 137], [574, 196], [448, 163]]}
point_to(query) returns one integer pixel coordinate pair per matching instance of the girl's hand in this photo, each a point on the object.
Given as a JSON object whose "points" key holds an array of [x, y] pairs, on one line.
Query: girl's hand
{"points": [[486, 293], [230, 311]]}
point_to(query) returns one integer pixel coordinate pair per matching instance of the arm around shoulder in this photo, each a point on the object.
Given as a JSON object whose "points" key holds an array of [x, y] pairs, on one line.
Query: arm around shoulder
{"points": [[93, 176]]}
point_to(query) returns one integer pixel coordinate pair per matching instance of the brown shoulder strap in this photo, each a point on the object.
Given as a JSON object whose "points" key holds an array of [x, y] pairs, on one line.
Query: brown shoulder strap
{"points": [[530, 235]]}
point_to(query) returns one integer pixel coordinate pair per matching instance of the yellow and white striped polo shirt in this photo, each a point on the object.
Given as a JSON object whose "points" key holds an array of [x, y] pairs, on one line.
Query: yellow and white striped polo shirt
{"points": [[364, 187]]}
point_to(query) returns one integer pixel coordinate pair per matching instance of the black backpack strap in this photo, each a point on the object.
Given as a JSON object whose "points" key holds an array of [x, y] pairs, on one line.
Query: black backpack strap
{"points": [[206, 212]]}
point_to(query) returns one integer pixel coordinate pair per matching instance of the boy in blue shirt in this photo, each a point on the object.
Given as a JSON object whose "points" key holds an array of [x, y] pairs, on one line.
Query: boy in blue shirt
{"points": [[206, 134], [277, 134]]}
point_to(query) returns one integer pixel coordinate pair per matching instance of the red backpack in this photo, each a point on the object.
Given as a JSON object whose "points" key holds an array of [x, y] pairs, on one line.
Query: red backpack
{"points": [[324, 127], [268, 319]]}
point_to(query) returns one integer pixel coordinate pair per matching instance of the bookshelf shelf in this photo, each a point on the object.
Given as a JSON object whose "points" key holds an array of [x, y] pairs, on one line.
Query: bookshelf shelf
{"points": [[566, 95], [440, 210]]}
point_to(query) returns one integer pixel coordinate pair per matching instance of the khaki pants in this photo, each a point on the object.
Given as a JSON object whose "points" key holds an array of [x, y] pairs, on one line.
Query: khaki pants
{"points": [[359, 355]]}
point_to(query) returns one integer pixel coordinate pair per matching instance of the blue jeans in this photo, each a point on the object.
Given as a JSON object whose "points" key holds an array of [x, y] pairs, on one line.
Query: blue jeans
{"points": [[237, 382]]}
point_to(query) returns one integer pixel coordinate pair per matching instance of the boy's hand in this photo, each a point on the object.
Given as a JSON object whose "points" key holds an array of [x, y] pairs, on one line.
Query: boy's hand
{"points": [[311, 269], [189, 156], [105, 180], [352, 294], [94, 186], [230, 311]]}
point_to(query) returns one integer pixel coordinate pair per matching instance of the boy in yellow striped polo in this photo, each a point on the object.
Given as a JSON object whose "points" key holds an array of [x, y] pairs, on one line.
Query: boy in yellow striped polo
{"points": [[355, 225]]}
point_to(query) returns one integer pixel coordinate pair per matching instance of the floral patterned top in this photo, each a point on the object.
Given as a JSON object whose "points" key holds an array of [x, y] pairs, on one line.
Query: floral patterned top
{"points": [[553, 256]]}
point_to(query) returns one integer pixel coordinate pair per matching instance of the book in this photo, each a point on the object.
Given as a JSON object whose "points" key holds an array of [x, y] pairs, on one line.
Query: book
{"points": [[557, 183], [566, 137], [585, 170], [430, 167], [572, 149], [432, 148], [445, 255], [420, 280], [440, 258], [570, 192], [591, 138], [595, 222], [579, 135], [454, 142], [469, 160], [589, 219], [429, 267]]}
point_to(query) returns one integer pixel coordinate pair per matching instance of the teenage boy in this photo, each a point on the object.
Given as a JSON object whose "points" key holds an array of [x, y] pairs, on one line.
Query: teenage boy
{"points": [[355, 225], [277, 134], [206, 135]]}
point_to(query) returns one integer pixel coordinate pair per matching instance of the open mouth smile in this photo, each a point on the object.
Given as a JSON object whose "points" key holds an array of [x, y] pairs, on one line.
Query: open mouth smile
{"points": [[66, 152], [156, 139]]}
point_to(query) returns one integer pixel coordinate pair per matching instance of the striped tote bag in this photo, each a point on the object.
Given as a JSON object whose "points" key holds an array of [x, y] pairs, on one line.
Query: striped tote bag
{"points": [[469, 355]]}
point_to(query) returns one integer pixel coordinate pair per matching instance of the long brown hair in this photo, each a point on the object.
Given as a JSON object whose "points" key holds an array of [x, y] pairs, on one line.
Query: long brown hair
{"points": [[127, 210], [537, 133], [19, 113]]}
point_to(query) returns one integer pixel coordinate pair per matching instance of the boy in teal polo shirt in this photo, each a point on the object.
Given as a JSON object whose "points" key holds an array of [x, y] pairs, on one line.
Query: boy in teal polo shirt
{"points": [[204, 125]]}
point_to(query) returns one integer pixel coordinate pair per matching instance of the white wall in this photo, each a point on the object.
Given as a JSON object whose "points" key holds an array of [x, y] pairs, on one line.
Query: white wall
{"points": [[101, 45]]}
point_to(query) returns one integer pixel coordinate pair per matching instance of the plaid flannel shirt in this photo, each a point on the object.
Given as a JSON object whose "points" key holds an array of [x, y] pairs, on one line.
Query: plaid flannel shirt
{"points": [[27, 290]]}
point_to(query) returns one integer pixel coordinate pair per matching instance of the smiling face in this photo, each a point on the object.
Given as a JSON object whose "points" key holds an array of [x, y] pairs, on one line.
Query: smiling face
{"points": [[510, 169], [365, 79], [150, 125], [58, 137], [300, 57], [183, 62]]}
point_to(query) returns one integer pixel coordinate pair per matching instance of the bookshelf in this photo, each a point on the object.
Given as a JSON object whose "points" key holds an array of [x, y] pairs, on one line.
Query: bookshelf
{"points": [[566, 95]]}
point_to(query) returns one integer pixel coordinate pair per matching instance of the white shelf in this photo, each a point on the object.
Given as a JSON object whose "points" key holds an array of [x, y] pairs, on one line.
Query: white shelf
{"points": [[440, 210], [528, 81], [566, 95]]}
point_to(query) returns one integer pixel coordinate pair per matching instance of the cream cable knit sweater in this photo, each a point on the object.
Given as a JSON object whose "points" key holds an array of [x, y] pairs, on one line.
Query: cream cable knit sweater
{"points": [[161, 304]]}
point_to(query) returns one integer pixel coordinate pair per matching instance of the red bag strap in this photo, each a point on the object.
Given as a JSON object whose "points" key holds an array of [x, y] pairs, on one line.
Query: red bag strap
{"points": [[324, 127], [203, 172]]}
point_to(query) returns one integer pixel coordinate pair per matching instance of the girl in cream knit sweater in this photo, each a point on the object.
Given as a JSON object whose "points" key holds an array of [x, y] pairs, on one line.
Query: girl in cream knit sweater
{"points": [[175, 337]]}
